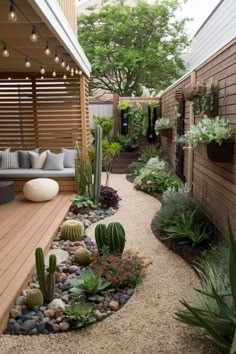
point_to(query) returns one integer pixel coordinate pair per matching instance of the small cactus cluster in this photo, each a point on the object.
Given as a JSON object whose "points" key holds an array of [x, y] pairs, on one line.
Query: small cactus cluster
{"points": [[46, 283], [72, 230], [34, 298], [82, 257], [111, 237]]}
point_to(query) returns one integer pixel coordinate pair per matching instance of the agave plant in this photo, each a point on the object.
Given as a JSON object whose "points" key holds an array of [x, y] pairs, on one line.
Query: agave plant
{"points": [[88, 283], [220, 325], [80, 311]]}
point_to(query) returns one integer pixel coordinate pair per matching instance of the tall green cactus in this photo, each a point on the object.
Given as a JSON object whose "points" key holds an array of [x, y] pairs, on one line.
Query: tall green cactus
{"points": [[98, 164], [46, 284], [101, 237]]}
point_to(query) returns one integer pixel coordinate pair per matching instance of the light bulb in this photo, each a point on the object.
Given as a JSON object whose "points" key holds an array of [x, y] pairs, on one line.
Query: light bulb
{"points": [[12, 17], [80, 72], [27, 63], [67, 67], [63, 64], [42, 77], [64, 76], [9, 78], [71, 73], [56, 58], [5, 52], [54, 74], [26, 78], [42, 70], [76, 71], [33, 36], [47, 50]]}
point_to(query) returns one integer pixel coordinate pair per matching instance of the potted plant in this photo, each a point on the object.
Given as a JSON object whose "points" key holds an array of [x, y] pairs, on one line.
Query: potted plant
{"points": [[193, 91], [215, 134], [152, 117], [123, 107], [164, 126]]}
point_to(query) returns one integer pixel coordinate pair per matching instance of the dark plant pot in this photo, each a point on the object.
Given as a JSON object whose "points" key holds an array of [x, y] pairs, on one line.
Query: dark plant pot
{"points": [[167, 133], [220, 153], [124, 121], [152, 117]]}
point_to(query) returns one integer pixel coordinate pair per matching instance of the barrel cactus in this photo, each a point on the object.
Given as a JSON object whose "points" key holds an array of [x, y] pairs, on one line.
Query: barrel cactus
{"points": [[72, 230], [34, 298], [101, 237], [82, 257], [111, 237]]}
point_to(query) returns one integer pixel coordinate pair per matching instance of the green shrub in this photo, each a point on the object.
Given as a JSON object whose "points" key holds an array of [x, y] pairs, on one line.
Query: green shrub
{"points": [[135, 166], [105, 122], [149, 151], [219, 318], [83, 201], [156, 180]]}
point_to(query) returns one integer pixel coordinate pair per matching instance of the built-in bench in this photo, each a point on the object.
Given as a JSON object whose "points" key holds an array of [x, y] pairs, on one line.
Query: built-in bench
{"points": [[65, 178]]}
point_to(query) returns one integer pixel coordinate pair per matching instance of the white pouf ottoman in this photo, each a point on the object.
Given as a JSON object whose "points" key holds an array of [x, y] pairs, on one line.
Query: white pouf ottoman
{"points": [[40, 189]]}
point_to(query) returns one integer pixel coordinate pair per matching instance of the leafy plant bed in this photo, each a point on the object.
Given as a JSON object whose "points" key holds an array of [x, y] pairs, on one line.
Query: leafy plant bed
{"points": [[61, 314], [158, 196]]}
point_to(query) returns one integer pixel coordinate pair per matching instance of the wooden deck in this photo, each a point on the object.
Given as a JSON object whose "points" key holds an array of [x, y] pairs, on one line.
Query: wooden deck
{"points": [[24, 226]]}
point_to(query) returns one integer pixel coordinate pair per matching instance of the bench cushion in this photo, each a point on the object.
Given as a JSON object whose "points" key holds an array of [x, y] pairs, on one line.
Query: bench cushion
{"points": [[28, 173]]}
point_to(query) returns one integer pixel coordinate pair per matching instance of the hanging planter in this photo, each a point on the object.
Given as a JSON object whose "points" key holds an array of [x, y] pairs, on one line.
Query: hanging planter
{"points": [[167, 132], [193, 91], [123, 107], [220, 153], [163, 126], [152, 117]]}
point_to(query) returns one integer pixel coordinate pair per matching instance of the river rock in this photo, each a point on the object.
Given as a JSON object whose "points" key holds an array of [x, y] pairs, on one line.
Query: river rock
{"points": [[56, 304]]}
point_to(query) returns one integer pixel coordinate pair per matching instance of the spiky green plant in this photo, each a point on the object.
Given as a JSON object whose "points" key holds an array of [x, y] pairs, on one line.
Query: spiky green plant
{"points": [[82, 257], [46, 283], [111, 238], [219, 324], [72, 230], [80, 311], [98, 164]]}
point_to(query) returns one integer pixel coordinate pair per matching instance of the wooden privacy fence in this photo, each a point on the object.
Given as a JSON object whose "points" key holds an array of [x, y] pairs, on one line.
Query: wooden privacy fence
{"points": [[214, 183], [47, 113]]}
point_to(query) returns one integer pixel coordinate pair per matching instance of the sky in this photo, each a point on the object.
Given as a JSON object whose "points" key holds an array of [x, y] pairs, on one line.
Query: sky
{"points": [[199, 10]]}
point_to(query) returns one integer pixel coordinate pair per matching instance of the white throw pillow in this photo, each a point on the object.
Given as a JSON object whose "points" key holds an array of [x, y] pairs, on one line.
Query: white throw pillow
{"points": [[38, 160]]}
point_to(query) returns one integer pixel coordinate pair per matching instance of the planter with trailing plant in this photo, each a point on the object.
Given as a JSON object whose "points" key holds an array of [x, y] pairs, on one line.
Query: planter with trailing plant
{"points": [[163, 126], [193, 91], [152, 117], [136, 120], [123, 107], [210, 138]]}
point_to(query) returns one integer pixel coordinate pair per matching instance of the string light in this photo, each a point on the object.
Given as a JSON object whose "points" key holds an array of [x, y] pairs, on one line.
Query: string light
{"points": [[12, 16], [42, 70], [77, 71], [67, 67], [33, 36], [54, 74], [80, 72], [26, 78], [9, 78], [47, 50], [27, 63], [64, 77], [63, 64], [42, 77], [72, 72], [56, 58], [5, 52]]}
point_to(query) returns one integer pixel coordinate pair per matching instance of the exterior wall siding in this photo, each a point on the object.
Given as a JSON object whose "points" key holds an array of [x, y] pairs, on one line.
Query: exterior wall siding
{"points": [[214, 184], [69, 9]]}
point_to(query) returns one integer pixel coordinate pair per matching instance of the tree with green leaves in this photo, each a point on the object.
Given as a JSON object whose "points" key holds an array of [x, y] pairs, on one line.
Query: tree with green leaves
{"points": [[131, 47]]}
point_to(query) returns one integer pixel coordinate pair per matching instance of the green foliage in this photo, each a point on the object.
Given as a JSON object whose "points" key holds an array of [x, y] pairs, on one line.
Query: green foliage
{"points": [[95, 188], [118, 138], [149, 151], [136, 117], [135, 167], [72, 230], [124, 104], [155, 180], [128, 45], [88, 283], [80, 311], [162, 123], [120, 271], [110, 238], [207, 131], [83, 172], [219, 318], [106, 124], [155, 163], [110, 151], [46, 284], [83, 201], [185, 230], [153, 103]]}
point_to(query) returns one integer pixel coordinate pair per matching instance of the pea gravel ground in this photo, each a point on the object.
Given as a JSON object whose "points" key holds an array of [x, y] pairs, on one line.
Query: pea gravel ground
{"points": [[145, 325]]}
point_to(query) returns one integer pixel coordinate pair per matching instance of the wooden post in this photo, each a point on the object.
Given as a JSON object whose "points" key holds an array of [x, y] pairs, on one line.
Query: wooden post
{"points": [[84, 106], [190, 148], [116, 113], [34, 101]]}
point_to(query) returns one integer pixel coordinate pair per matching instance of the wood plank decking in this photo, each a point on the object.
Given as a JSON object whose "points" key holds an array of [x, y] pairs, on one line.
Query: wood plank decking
{"points": [[24, 226]]}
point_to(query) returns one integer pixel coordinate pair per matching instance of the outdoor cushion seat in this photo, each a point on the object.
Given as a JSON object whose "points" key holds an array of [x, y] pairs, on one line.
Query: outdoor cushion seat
{"points": [[28, 173], [40, 189]]}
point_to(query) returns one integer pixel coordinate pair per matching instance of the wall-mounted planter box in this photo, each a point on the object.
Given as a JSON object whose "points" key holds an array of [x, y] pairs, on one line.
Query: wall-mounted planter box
{"points": [[167, 132], [216, 152]]}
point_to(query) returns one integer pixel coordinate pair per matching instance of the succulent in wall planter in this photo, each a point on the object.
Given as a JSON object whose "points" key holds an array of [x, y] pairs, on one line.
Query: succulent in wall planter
{"points": [[212, 136], [193, 91], [123, 107], [152, 117], [163, 126]]}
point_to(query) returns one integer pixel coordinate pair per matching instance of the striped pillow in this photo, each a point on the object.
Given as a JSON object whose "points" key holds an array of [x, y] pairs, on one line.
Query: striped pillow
{"points": [[9, 160], [7, 150]]}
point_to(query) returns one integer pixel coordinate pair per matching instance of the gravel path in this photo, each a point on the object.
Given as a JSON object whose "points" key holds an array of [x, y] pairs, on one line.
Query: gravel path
{"points": [[145, 324]]}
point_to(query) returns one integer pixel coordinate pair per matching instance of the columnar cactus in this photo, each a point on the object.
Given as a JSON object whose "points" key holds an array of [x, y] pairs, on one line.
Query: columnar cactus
{"points": [[72, 230], [101, 236], [112, 236], [34, 298], [46, 284], [98, 164]]}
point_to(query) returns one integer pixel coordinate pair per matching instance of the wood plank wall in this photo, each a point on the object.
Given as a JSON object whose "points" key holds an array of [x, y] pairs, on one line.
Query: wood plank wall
{"points": [[69, 9], [41, 113], [214, 184]]}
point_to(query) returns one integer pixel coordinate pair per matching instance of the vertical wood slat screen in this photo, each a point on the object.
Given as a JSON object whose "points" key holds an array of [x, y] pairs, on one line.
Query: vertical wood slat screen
{"points": [[40, 113]]}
